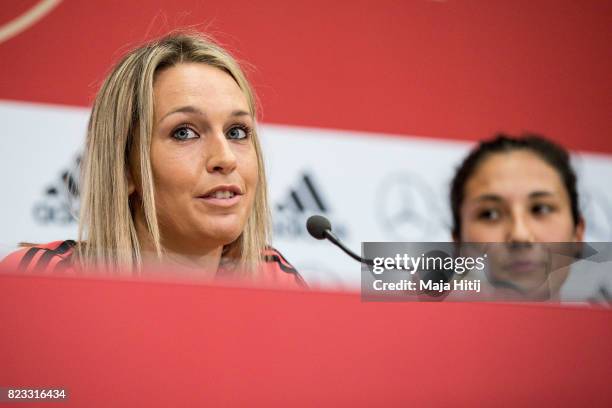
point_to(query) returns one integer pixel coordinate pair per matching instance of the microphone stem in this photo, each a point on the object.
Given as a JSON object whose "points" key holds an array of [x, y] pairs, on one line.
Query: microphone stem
{"points": [[330, 236]]}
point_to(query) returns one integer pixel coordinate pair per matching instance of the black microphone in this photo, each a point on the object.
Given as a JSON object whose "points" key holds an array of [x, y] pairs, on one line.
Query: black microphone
{"points": [[435, 274], [320, 228]]}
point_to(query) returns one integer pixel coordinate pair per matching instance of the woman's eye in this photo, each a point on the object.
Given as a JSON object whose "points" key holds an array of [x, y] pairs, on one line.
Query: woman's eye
{"points": [[489, 215], [184, 133], [237, 133], [541, 209]]}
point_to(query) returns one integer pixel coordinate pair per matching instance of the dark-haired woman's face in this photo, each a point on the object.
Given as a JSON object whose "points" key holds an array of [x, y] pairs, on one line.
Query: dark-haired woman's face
{"points": [[517, 198]]}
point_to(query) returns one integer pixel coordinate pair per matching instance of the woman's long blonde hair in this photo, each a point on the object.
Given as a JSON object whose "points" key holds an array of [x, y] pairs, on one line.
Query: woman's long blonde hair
{"points": [[122, 120]]}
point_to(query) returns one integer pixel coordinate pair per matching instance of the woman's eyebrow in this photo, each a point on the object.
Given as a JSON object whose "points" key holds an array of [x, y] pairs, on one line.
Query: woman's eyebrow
{"points": [[489, 197], [240, 113], [541, 194], [183, 109], [193, 109]]}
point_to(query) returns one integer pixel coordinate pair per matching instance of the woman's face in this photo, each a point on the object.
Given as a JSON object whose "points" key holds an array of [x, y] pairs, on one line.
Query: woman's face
{"points": [[203, 158], [518, 199]]}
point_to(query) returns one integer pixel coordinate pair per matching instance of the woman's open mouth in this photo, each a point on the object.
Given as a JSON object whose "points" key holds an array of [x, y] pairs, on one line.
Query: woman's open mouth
{"points": [[222, 196]]}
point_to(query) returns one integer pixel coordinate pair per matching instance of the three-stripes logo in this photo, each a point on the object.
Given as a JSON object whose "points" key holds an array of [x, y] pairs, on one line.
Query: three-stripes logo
{"points": [[304, 198], [302, 201], [60, 203]]}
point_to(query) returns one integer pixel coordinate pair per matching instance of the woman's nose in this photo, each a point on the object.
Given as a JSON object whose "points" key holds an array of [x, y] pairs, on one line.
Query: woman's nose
{"points": [[519, 230], [220, 156]]}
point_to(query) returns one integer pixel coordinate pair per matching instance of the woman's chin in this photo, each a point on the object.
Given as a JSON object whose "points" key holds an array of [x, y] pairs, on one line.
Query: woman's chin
{"points": [[223, 234]]}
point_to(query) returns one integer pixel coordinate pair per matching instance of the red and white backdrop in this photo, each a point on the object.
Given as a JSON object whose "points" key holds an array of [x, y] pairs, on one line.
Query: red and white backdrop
{"points": [[368, 106]]}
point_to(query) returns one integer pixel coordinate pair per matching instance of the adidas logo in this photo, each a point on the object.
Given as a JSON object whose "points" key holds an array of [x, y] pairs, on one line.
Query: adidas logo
{"points": [[304, 198], [301, 201], [60, 203]]}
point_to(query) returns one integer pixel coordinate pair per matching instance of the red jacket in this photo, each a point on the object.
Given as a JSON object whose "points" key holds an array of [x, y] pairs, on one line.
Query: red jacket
{"points": [[56, 258]]}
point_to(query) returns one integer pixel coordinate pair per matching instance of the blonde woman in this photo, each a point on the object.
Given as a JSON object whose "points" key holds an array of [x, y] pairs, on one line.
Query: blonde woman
{"points": [[173, 171]]}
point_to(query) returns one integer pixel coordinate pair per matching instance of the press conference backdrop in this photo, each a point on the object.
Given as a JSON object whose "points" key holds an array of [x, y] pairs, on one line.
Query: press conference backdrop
{"points": [[367, 107]]}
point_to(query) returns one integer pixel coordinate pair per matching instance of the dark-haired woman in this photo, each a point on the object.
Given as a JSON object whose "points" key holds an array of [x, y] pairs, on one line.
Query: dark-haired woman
{"points": [[517, 193]]}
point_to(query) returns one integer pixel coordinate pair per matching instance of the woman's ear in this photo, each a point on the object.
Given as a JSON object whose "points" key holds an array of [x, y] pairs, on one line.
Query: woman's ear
{"points": [[130, 180], [579, 230], [455, 235], [132, 165]]}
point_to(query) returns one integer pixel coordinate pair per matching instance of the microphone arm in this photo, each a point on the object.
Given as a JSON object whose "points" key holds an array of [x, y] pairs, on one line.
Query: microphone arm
{"points": [[336, 241]]}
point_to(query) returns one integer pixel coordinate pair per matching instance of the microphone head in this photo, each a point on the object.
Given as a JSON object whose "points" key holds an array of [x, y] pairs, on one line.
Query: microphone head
{"points": [[436, 275], [317, 225]]}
